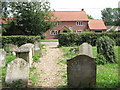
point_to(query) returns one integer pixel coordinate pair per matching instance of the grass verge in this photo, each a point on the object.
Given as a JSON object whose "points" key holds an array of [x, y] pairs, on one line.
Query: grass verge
{"points": [[107, 75], [49, 40]]}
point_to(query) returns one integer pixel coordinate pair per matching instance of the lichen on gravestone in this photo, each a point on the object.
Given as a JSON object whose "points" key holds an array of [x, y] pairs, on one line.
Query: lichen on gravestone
{"points": [[17, 69]]}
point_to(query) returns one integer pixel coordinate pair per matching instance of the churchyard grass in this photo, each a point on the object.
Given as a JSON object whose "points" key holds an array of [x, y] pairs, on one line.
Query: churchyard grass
{"points": [[107, 75], [33, 76], [49, 40]]}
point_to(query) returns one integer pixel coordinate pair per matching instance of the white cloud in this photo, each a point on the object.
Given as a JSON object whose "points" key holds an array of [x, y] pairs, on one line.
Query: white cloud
{"points": [[92, 7]]}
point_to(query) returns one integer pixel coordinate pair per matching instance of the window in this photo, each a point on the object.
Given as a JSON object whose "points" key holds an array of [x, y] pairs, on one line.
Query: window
{"points": [[56, 23], [54, 32], [79, 23], [70, 28], [98, 31], [78, 31]]}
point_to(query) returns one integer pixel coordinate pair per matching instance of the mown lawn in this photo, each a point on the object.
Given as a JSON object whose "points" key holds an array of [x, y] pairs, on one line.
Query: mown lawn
{"points": [[49, 40], [107, 75]]}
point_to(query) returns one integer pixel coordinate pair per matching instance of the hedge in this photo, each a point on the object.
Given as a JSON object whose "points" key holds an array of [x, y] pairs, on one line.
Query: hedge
{"points": [[19, 40], [71, 39]]}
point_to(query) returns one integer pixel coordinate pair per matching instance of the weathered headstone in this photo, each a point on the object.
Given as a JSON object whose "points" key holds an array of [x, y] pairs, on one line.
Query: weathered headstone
{"points": [[17, 69], [23, 52], [86, 49], [26, 52], [12, 48], [37, 48], [30, 46], [81, 71], [2, 57]]}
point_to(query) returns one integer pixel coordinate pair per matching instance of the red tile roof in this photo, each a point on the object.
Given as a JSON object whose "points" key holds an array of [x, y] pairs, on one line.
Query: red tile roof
{"points": [[5, 20], [96, 24], [70, 15]]}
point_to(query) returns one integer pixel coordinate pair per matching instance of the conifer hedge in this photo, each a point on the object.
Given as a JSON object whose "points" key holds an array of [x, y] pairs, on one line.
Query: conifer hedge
{"points": [[105, 47], [71, 39], [19, 40]]}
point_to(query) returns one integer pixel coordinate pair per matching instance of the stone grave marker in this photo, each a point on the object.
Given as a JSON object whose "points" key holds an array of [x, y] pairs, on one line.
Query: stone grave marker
{"points": [[17, 69], [23, 52], [26, 52], [81, 71], [30, 46], [2, 57], [37, 48], [86, 49]]}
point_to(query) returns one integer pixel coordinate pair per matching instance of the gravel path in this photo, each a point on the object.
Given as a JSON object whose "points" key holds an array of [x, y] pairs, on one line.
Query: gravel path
{"points": [[50, 43], [48, 68]]}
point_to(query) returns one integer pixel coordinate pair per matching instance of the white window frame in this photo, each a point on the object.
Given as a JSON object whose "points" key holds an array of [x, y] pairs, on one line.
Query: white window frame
{"points": [[79, 23], [71, 28], [55, 32], [56, 23], [78, 30]]}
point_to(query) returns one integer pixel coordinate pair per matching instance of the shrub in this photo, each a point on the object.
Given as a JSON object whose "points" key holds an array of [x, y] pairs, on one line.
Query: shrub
{"points": [[100, 59], [19, 40], [112, 30], [105, 47], [71, 39], [6, 48]]}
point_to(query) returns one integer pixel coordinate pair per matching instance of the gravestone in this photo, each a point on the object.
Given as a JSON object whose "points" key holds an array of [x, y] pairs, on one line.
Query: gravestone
{"points": [[37, 48], [17, 69], [30, 46], [81, 71], [23, 52], [86, 49], [12, 49], [2, 57], [26, 52]]}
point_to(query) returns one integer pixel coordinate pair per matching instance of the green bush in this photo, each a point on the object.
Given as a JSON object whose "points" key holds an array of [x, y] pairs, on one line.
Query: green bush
{"points": [[71, 39], [100, 59], [105, 47], [19, 40], [112, 30], [6, 48]]}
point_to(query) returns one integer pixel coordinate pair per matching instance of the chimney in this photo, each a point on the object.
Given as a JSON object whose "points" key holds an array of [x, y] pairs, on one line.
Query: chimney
{"points": [[82, 9]]}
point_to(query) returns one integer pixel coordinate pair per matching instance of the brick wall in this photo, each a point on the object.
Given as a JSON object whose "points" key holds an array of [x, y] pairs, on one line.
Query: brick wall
{"points": [[67, 24]]}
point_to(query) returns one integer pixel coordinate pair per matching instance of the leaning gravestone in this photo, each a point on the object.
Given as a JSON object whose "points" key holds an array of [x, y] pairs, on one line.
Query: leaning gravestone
{"points": [[17, 69], [81, 69], [37, 49], [12, 48], [2, 57], [86, 49]]}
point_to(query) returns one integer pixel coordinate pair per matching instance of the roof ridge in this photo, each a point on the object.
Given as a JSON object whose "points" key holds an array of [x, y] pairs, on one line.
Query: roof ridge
{"points": [[67, 11]]}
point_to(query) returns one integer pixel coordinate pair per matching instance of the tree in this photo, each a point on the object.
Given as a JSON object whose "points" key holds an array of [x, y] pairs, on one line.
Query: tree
{"points": [[111, 16], [90, 17], [32, 18]]}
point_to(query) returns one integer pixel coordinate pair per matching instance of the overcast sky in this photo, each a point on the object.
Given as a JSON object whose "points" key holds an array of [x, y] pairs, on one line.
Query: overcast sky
{"points": [[92, 7]]}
